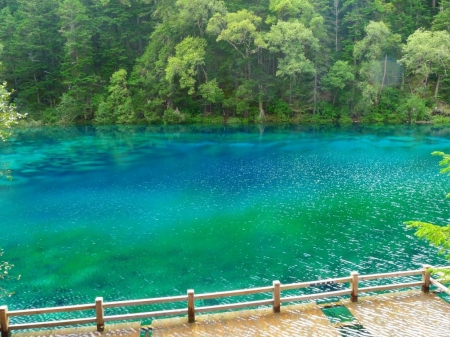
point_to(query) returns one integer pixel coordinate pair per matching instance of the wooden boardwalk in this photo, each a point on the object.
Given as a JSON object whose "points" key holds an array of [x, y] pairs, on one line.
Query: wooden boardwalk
{"points": [[410, 313], [295, 320], [112, 330]]}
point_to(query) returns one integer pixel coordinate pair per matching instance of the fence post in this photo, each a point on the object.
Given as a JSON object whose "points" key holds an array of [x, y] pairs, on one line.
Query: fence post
{"points": [[354, 286], [191, 306], [99, 314], [4, 321], [276, 296], [426, 278]]}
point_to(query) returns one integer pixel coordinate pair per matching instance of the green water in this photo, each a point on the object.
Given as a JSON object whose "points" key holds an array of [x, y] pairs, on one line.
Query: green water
{"points": [[137, 212]]}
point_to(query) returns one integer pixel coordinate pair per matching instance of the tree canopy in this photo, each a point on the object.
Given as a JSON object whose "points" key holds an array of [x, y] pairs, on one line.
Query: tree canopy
{"points": [[325, 60]]}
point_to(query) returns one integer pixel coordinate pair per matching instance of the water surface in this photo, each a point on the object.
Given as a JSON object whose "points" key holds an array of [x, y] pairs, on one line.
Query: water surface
{"points": [[136, 212]]}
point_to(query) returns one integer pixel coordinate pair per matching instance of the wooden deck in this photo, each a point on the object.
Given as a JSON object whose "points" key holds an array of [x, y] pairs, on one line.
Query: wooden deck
{"points": [[295, 320], [111, 330], [409, 313]]}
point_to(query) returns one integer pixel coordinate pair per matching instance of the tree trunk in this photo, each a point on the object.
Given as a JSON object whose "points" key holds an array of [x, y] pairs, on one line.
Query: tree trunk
{"points": [[382, 81], [315, 93], [336, 22], [436, 91]]}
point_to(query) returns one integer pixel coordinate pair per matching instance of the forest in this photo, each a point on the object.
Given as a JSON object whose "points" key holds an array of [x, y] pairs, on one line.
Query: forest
{"points": [[211, 61]]}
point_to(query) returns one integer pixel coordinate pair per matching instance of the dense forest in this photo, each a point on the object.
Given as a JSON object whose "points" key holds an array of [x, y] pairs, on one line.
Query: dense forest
{"points": [[175, 61]]}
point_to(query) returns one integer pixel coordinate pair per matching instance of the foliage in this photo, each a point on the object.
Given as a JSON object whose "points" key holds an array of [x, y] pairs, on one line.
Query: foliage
{"points": [[228, 57], [438, 236], [8, 113]]}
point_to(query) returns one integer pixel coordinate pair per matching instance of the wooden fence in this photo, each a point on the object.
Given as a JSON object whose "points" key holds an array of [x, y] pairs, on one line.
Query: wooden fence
{"points": [[191, 310]]}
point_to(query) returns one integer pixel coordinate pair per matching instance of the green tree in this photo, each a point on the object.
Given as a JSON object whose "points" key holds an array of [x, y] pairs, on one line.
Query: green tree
{"points": [[241, 30], [118, 106], [77, 67], [373, 51], [8, 113], [427, 53], [438, 236], [292, 40], [188, 59], [198, 12], [339, 75]]}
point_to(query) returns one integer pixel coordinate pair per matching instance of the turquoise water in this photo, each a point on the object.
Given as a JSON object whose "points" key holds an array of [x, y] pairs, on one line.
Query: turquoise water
{"points": [[137, 212]]}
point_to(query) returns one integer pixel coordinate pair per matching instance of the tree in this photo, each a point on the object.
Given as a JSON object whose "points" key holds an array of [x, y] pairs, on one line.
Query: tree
{"points": [[292, 40], [438, 236], [241, 30], [373, 51], [189, 58], [118, 106], [198, 12], [78, 66], [340, 74], [8, 113], [427, 53]]}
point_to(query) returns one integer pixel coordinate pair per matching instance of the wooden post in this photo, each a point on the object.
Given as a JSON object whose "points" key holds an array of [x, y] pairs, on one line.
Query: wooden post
{"points": [[276, 296], [426, 279], [191, 306], [354, 286], [99, 314], [4, 321]]}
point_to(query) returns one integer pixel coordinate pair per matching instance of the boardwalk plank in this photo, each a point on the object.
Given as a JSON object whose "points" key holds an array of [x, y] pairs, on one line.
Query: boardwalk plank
{"points": [[410, 313]]}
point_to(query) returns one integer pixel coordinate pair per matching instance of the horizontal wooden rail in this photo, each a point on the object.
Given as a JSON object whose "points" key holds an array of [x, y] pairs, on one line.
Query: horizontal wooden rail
{"points": [[390, 275], [148, 301], [242, 292], [440, 286], [29, 312], [390, 287], [190, 298], [234, 306], [315, 296], [51, 323]]}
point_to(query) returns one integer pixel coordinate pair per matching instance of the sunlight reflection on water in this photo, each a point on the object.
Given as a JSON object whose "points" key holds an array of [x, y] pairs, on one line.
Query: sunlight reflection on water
{"points": [[134, 212]]}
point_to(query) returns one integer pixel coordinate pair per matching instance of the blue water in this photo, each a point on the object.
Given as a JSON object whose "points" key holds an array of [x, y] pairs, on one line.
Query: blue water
{"points": [[137, 211]]}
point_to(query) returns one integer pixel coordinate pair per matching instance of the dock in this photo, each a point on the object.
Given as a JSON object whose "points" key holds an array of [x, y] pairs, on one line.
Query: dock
{"points": [[280, 309], [409, 313]]}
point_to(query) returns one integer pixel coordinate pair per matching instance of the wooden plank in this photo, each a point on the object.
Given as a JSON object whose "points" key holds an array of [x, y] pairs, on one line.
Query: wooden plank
{"points": [[191, 306], [292, 321], [231, 293], [404, 314], [316, 296], [41, 311], [390, 287], [4, 320], [390, 275], [276, 296], [49, 324], [354, 283], [99, 313], [112, 330], [440, 286], [145, 301]]}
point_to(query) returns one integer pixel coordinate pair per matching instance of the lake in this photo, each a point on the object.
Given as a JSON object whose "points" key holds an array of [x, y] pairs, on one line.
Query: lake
{"points": [[143, 211]]}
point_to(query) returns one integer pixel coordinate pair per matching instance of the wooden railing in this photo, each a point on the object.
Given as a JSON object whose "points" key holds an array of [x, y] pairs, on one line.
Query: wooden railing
{"points": [[275, 301]]}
